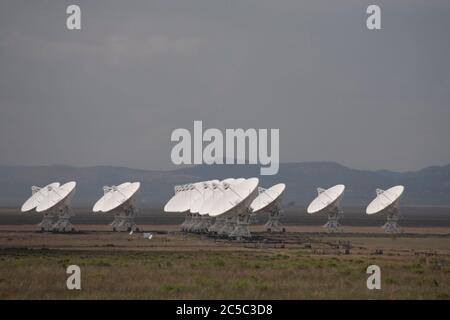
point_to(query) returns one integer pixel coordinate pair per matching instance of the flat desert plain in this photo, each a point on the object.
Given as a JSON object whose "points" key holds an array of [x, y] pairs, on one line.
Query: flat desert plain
{"points": [[303, 263]]}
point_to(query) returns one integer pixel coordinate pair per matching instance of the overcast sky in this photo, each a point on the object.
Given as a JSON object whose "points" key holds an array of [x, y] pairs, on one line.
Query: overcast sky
{"points": [[111, 93]]}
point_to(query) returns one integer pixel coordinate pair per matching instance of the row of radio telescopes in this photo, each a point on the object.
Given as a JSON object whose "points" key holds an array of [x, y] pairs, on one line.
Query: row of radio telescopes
{"points": [[223, 208]]}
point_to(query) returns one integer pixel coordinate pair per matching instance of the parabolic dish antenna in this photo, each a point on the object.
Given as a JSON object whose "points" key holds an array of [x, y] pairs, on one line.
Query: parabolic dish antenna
{"points": [[388, 201], [120, 196], [267, 197], [385, 199], [57, 196], [270, 200], [328, 201], [58, 201], [180, 201], [107, 196], [200, 220], [120, 200], [188, 199], [196, 195], [217, 190], [211, 196], [194, 222], [226, 201], [234, 206], [206, 191], [326, 198], [37, 195], [236, 198]]}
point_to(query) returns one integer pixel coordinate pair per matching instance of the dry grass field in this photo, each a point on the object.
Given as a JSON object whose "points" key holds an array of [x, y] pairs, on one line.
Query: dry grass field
{"points": [[304, 263]]}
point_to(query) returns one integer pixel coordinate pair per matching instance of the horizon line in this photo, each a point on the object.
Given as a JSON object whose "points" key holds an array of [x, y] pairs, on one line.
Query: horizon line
{"points": [[184, 167]]}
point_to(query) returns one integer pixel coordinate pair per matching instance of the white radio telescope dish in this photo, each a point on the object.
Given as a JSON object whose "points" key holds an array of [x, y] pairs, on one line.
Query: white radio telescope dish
{"points": [[385, 199], [57, 196], [328, 201], [188, 198], [269, 200], [120, 200], [388, 201], [58, 201], [120, 196], [267, 197], [326, 198], [202, 202], [217, 190], [107, 196], [37, 195], [234, 206], [197, 195], [205, 193], [178, 204], [236, 198], [200, 220], [180, 201]]}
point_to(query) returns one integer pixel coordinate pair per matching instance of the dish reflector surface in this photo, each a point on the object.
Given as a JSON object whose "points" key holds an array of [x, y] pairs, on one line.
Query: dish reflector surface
{"points": [[57, 196], [217, 190], [206, 192], [385, 199], [180, 201], [326, 198], [233, 196], [122, 194], [196, 194], [38, 196], [107, 196], [267, 197]]}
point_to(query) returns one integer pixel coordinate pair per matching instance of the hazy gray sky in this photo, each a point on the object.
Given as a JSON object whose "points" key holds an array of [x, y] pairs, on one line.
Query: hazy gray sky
{"points": [[112, 93]]}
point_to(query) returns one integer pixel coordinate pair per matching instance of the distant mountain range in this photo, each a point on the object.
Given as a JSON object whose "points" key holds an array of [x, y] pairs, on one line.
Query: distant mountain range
{"points": [[429, 186]]}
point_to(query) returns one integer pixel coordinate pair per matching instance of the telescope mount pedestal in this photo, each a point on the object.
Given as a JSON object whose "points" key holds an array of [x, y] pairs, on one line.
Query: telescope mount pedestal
{"points": [[216, 226], [194, 223], [63, 223], [204, 224], [391, 226], [274, 224], [332, 224], [228, 227], [186, 222], [241, 230], [124, 220], [47, 222]]}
